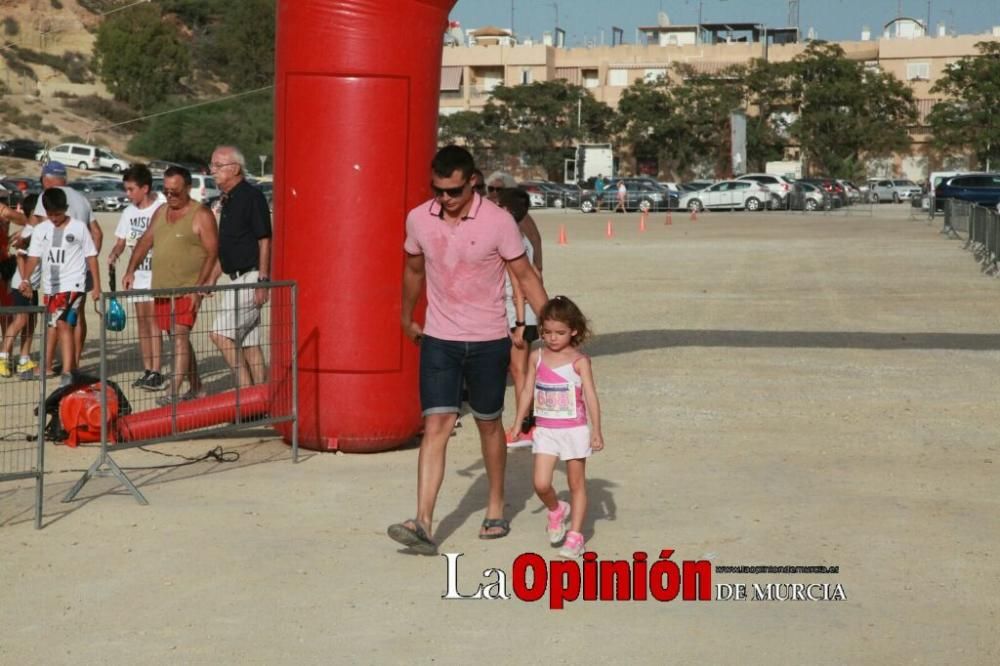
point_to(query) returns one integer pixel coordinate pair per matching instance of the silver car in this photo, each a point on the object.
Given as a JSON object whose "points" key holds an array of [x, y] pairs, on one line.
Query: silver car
{"points": [[747, 194], [103, 195], [886, 189]]}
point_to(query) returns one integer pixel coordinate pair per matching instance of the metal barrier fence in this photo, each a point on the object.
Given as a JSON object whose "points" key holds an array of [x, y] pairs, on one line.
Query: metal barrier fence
{"points": [[981, 227], [228, 363], [22, 396]]}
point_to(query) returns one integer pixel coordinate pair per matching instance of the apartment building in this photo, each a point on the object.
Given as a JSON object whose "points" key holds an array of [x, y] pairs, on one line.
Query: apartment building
{"points": [[470, 73]]}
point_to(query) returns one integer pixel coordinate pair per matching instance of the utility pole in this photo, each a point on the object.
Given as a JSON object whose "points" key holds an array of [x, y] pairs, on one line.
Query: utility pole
{"points": [[512, 18]]}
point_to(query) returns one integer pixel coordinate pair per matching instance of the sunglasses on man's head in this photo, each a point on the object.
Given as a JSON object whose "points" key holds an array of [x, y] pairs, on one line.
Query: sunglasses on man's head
{"points": [[453, 192]]}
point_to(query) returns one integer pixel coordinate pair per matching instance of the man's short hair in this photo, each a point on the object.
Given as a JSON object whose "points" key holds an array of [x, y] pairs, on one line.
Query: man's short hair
{"points": [[54, 201], [453, 158], [516, 201], [178, 171], [138, 174]]}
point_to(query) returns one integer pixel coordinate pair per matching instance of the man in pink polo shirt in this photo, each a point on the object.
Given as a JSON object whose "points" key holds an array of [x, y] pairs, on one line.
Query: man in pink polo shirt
{"points": [[461, 244]]}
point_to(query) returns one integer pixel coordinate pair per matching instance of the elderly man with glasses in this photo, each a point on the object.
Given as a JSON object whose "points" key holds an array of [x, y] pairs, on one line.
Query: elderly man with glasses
{"points": [[245, 258], [460, 244], [187, 245]]}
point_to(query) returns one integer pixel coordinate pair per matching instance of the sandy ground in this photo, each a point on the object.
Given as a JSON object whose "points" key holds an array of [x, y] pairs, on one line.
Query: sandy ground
{"points": [[802, 390]]}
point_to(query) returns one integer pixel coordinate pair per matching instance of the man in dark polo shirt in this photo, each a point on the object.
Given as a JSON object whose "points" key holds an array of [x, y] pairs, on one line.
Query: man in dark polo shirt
{"points": [[245, 258]]}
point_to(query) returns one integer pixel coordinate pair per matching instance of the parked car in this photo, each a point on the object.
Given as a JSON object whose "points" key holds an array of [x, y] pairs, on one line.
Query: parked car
{"points": [[838, 197], [885, 190], [103, 195], [108, 160], [157, 167], [780, 186], [938, 177], [79, 155], [852, 191], [203, 187], [733, 194], [21, 148], [571, 194], [980, 188], [695, 185], [807, 196], [543, 193], [642, 193]]}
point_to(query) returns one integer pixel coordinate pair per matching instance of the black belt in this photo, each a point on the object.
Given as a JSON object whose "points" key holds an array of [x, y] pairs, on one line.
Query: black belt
{"points": [[237, 274]]}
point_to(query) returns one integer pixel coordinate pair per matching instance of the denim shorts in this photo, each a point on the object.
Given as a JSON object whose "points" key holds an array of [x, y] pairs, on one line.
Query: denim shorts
{"points": [[446, 365]]}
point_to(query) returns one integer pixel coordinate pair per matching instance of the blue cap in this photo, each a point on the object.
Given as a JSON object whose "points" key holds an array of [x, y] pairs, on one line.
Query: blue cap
{"points": [[54, 169]]}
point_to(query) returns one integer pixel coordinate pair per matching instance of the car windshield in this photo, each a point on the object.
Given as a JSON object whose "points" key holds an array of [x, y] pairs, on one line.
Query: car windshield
{"points": [[904, 183]]}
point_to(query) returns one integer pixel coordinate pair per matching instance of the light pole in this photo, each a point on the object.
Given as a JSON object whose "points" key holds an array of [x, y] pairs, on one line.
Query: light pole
{"points": [[556, 6]]}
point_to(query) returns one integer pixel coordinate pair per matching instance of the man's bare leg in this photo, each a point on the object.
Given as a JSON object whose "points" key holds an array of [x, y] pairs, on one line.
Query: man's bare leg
{"points": [[430, 464], [494, 445]]}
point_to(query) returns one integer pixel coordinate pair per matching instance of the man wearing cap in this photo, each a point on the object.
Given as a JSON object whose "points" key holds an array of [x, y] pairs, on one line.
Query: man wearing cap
{"points": [[245, 258], [54, 175]]}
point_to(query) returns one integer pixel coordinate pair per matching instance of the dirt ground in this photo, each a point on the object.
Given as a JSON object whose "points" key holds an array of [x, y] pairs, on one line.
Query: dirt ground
{"points": [[776, 390]]}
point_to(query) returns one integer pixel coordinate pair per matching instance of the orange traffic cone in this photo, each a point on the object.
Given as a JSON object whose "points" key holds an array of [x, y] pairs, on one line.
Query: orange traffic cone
{"points": [[562, 235], [642, 222], [670, 218], [610, 231]]}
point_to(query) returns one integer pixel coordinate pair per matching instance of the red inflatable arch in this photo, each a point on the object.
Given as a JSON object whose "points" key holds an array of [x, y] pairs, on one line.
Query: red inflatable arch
{"points": [[356, 104]]}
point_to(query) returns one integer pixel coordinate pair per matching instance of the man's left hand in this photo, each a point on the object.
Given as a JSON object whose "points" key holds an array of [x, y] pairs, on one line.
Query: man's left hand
{"points": [[260, 296]]}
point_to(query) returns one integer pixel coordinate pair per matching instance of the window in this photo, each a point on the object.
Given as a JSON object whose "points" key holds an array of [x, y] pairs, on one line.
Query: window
{"points": [[652, 75], [918, 71], [62, 148], [525, 76], [79, 150], [618, 77], [740, 185], [590, 78]]}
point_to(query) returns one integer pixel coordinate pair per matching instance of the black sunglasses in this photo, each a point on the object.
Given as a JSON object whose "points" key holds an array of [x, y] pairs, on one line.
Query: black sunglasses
{"points": [[453, 192], [493, 189]]}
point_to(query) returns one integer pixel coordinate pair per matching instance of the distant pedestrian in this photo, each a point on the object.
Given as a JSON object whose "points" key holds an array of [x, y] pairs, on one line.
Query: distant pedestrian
{"points": [[22, 324], [599, 190], [622, 196]]}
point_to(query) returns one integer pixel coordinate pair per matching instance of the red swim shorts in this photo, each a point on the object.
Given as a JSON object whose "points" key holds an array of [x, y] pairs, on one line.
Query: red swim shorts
{"points": [[184, 312]]}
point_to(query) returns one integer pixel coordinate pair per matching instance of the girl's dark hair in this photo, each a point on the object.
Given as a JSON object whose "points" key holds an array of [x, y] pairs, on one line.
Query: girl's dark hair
{"points": [[28, 203], [565, 311]]}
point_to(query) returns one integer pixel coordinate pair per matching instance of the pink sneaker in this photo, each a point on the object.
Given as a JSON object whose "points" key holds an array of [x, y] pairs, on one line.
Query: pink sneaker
{"points": [[558, 523], [574, 546]]}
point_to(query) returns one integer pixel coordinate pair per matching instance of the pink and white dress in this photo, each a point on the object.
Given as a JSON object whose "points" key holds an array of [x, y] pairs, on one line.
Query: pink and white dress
{"points": [[560, 413]]}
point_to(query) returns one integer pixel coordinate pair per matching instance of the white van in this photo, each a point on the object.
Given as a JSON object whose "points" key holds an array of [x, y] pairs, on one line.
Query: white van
{"points": [[83, 156], [203, 187]]}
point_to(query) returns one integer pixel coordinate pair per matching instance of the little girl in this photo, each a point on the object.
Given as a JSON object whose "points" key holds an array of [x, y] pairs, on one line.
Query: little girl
{"points": [[564, 391]]}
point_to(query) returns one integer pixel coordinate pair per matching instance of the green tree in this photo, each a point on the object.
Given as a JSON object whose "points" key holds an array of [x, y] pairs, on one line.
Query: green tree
{"points": [[465, 128], [539, 122], [140, 57], [847, 114], [191, 135], [969, 119], [768, 99], [685, 126], [241, 44]]}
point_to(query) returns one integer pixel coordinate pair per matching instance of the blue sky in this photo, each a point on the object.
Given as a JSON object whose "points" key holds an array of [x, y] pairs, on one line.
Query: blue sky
{"points": [[833, 19]]}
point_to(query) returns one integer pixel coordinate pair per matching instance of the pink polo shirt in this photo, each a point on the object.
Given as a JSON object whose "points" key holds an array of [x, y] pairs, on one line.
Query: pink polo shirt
{"points": [[464, 264]]}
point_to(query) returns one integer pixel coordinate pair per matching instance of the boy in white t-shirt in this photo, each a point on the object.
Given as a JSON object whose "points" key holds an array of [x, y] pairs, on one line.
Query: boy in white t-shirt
{"points": [[138, 182], [64, 247]]}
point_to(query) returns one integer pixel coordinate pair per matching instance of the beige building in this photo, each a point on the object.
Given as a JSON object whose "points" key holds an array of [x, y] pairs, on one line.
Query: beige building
{"points": [[470, 73]]}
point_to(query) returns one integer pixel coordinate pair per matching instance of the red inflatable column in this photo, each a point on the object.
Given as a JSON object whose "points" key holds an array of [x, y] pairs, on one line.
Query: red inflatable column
{"points": [[356, 104]]}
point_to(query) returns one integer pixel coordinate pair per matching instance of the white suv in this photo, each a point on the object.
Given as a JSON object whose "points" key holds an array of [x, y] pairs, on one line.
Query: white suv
{"points": [[203, 187], [780, 186]]}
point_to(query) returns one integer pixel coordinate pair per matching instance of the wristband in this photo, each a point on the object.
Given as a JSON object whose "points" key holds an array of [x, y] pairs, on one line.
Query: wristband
{"points": [[518, 323]]}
